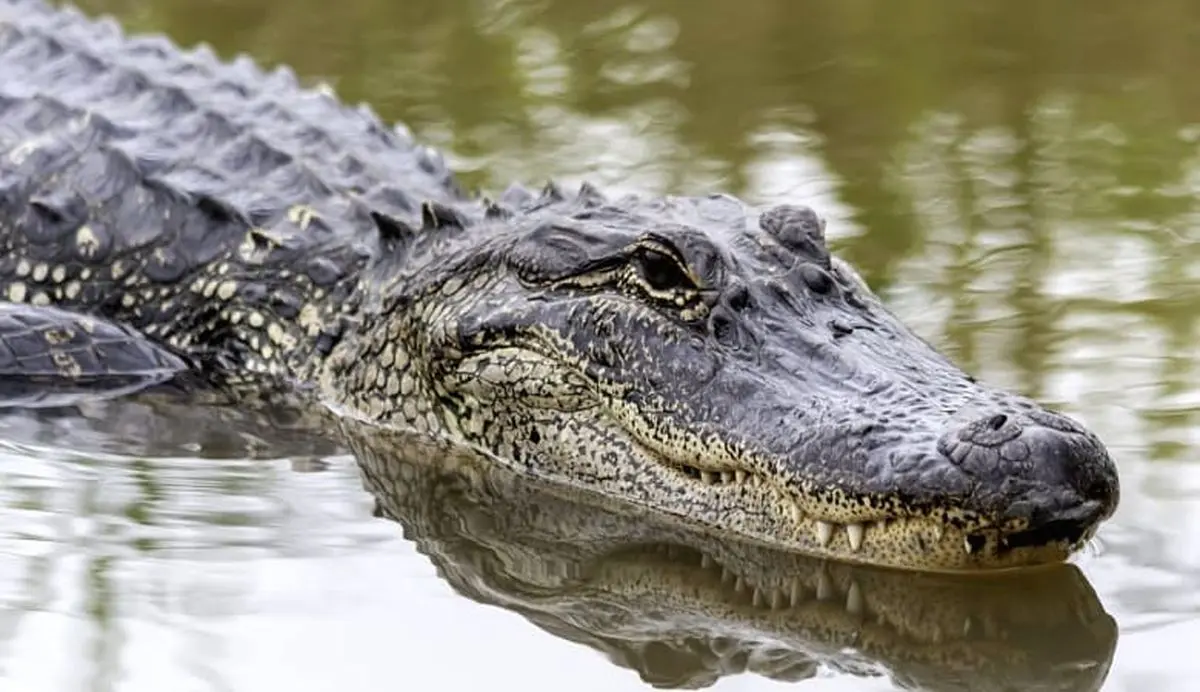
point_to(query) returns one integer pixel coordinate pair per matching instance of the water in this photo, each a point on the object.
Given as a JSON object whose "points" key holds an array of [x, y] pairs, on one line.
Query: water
{"points": [[1019, 180]]}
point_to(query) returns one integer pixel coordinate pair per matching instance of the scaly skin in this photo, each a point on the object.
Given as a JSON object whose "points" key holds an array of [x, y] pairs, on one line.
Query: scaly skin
{"points": [[689, 354]]}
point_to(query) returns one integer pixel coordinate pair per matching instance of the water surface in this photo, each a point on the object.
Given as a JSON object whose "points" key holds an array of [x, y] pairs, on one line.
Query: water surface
{"points": [[1019, 180]]}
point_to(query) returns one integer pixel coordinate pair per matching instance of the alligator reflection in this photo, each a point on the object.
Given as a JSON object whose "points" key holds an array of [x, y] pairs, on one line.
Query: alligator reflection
{"points": [[684, 609]]}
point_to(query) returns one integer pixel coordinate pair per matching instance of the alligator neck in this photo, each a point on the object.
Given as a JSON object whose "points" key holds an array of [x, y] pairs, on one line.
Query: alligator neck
{"points": [[332, 309], [250, 318]]}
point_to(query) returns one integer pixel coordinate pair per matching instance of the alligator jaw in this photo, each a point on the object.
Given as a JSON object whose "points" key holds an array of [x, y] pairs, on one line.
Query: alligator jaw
{"points": [[722, 483], [937, 541]]}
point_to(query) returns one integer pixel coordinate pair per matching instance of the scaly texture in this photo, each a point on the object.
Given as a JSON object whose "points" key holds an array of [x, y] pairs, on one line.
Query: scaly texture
{"points": [[690, 354], [218, 209]]}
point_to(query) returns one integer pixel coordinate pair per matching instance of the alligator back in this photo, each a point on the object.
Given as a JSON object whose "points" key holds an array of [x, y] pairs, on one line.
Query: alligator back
{"points": [[204, 203]]}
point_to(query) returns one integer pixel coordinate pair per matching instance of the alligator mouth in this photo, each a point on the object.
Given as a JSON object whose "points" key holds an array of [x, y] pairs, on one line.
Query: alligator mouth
{"points": [[950, 540], [723, 477], [1074, 532]]}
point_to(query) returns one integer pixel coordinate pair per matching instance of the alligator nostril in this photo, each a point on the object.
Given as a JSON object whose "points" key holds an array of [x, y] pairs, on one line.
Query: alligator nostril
{"points": [[723, 327], [997, 421], [738, 297]]}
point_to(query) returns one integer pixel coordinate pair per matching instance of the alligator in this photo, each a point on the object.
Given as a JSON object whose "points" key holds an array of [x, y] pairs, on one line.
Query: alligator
{"points": [[166, 215]]}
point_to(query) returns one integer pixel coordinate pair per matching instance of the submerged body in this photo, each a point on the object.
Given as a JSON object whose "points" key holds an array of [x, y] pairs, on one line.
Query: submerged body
{"points": [[171, 213]]}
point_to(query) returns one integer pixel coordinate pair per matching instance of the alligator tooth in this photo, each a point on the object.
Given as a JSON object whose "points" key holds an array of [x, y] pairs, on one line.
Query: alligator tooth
{"points": [[824, 587], [727, 476], [854, 599], [707, 477], [938, 532], [757, 601], [776, 600], [739, 585], [797, 594], [740, 475], [967, 546], [824, 533], [855, 533], [797, 515], [705, 561]]}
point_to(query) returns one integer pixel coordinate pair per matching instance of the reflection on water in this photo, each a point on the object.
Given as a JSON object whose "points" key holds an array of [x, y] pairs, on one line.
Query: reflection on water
{"points": [[1020, 180]]}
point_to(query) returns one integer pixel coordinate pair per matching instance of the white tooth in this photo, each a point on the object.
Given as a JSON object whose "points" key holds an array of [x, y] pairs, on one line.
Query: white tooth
{"points": [[726, 575], [739, 585], [740, 475], [797, 516], [854, 599], [797, 592], [967, 546], [705, 561], [757, 601], [824, 587], [727, 476], [855, 533], [824, 533], [938, 532], [707, 477], [776, 600]]}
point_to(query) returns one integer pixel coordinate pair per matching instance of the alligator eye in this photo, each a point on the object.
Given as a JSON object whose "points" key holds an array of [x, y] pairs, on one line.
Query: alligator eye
{"points": [[660, 271]]}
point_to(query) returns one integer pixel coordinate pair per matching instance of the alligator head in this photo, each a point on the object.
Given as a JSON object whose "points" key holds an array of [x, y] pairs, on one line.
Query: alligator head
{"points": [[719, 364], [683, 608]]}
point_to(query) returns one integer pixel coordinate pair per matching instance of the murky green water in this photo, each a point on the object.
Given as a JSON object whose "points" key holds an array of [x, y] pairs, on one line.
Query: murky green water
{"points": [[1020, 180]]}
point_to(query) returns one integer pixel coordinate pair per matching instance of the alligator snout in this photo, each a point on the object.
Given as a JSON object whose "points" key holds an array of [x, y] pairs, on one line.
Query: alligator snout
{"points": [[1038, 466]]}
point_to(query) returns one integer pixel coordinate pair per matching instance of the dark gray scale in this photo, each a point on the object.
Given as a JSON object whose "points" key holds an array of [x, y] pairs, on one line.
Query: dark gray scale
{"points": [[52, 357]]}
